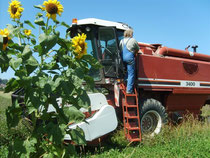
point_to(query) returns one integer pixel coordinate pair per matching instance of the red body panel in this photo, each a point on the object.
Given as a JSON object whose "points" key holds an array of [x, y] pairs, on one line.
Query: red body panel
{"points": [[172, 68], [188, 103], [186, 80]]}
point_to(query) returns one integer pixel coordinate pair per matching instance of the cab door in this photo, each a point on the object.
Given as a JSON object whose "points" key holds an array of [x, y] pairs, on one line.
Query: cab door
{"points": [[110, 52]]}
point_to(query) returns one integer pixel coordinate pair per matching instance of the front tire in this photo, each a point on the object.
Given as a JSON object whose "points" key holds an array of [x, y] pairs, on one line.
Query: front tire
{"points": [[153, 117]]}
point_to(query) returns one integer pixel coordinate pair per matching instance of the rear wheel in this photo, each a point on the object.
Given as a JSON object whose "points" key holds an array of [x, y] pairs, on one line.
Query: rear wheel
{"points": [[153, 116]]}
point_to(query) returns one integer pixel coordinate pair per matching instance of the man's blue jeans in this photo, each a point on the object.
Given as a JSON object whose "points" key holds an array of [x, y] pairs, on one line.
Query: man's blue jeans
{"points": [[129, 61]]}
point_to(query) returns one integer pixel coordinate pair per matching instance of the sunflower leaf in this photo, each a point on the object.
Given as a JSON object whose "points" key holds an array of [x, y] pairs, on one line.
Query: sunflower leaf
{"points": [[12, 84], [26, 52], [73, 114], [47, 41], [15, 63], [33, 41], [38, 15], [64, 24], [38, 6], [40, 22], [13, 30], [32, 61], [15, 46], [29, 23], [77, 136]]}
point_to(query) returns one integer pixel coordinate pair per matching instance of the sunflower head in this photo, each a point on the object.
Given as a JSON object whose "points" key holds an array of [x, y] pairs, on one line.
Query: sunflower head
{"points": [[27, 32], [52, 7], [79, 45], [15, 10], [6, 38]]}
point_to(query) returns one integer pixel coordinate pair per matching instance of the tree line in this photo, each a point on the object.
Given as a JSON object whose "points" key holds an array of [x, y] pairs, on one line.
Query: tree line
{"points": [[3, 81]]}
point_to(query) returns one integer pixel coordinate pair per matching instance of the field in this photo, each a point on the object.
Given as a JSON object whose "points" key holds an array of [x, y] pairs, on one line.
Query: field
{"points": [[189, 139]]}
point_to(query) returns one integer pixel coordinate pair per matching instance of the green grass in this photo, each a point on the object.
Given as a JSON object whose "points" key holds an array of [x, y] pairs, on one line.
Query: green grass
{"points": [[187, 140], [4, 103], [206, 110], [7, 136], [4, 137], [190, 139], [5, 95]]}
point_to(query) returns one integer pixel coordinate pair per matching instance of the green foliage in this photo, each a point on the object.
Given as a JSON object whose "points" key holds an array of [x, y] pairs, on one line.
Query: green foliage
{"points": [[7, 136], [118, 138], [54, 74], [189, 139]]}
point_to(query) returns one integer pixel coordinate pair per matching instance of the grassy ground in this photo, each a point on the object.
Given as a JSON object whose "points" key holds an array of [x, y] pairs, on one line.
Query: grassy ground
{"points": [[5, 95], [6, 136], [189, 139], [4, 140], [206, 110]]}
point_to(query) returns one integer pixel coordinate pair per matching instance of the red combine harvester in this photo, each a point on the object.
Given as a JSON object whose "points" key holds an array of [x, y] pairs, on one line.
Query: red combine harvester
{"points": [[169, 82]]}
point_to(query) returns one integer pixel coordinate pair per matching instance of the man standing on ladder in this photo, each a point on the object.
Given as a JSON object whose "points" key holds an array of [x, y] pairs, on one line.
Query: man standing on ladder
{"points": [[129, 47]]}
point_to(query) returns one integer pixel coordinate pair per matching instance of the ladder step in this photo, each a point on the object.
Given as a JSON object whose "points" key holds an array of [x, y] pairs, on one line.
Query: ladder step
{"points": [[135, 140], [131, 114], [132, 117], [130, 95], [133, 126], [130, 106], [134, 136]]}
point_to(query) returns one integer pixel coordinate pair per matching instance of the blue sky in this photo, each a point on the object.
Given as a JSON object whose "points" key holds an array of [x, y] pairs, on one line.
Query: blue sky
{"points": [[173, 23]]}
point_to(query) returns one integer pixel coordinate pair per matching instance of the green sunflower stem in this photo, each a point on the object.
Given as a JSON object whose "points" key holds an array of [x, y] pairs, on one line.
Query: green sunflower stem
{"points": [[42, 62], [19, 38], [46, 26], [23, 39]]}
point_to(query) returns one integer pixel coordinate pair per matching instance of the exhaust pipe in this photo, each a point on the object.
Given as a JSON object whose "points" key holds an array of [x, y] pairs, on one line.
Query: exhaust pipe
{"points": [[165, 51]]}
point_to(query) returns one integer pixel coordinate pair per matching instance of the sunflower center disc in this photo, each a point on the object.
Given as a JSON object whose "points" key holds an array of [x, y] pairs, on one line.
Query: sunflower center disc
{"points": [[5, 40], [52, 8], [82, 46], [13, 9]]}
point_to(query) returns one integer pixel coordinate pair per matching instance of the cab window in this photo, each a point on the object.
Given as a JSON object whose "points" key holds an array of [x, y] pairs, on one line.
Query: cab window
{"points": [[109, 50]]}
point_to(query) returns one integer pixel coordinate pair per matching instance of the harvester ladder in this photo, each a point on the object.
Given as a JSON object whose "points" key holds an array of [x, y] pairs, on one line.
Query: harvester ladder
{"points": [[131, 118]]}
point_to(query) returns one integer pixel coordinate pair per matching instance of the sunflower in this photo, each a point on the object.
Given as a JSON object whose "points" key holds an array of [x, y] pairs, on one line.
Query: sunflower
{"points": [[6, 38], [27, 32], [79, 45], [15, 9], [52, 7]]}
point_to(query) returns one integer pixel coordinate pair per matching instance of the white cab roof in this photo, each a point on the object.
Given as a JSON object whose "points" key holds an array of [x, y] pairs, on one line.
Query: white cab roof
{"points": [[100, 22]]}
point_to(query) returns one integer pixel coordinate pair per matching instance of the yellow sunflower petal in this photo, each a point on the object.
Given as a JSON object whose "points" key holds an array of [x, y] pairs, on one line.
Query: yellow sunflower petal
{"points": [[53, 16], [5, 34]]}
